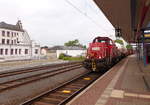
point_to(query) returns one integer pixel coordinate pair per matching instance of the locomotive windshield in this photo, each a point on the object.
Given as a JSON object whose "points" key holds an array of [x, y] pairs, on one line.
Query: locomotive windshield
{"points": [[100, 41], [103, 40]]}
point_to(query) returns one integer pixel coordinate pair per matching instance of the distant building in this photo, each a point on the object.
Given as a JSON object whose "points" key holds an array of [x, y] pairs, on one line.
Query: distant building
{"points": [[44, 51], [15, 43], [71, 51]]}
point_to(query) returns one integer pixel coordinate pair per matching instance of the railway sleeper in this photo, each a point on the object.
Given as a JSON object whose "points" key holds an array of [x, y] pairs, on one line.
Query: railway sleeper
{"points": [[41, 103]]}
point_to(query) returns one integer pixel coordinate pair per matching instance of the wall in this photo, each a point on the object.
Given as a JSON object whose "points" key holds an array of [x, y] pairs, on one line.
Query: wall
{"points": [[71, 52], [22, 41]]}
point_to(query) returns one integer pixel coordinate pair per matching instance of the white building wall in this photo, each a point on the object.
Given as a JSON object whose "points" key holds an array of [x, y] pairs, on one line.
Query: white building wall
{"points": [[20, 40], [71, 52], [14, 37], [35, 50]]}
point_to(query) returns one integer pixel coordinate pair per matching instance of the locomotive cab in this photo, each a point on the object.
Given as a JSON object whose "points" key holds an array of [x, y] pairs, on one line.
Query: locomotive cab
{"points": [[100, 54]]}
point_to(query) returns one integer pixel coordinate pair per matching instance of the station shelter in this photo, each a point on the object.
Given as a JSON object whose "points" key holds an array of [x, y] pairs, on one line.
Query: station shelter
{"points": [[143, 46], [130, 19]]}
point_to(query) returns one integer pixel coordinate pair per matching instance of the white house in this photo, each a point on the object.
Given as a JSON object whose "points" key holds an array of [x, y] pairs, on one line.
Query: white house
{"points": [[71, 51], [44, 51], [15, 43]]}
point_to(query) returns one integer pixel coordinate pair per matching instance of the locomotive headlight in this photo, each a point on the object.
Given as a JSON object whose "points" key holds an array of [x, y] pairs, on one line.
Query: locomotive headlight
{"points": [[95, 48]]}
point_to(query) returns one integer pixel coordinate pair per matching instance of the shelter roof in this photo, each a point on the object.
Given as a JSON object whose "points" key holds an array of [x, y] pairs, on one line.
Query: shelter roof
{"points": [[127, 15]]}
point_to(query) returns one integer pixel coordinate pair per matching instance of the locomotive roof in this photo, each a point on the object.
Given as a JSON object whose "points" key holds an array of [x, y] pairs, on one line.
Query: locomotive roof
{"points": [[101, 38]]}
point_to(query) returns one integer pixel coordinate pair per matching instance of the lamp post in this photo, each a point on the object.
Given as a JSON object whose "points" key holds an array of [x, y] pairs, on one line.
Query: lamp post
{"points": [[31, 48]]}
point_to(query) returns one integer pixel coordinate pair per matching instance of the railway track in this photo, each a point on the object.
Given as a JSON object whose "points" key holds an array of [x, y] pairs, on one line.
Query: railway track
{"points": [[62, 94], [29, 79], [34, 69]]}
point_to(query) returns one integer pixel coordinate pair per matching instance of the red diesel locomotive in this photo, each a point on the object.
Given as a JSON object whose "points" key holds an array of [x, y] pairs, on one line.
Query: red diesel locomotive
{"points": [[102, 53]]}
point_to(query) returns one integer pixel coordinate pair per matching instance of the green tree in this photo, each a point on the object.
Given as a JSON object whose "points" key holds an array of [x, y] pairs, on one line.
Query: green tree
{"points": [[119, 41], [84, 46], [74, 43]]}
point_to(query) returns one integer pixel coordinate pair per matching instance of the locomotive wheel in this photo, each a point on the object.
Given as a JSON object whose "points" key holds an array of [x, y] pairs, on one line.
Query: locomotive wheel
{"points": [[108, 62]]}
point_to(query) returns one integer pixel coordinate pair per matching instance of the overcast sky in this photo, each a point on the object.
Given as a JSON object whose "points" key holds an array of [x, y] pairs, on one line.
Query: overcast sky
{"points": [[54, 22]]}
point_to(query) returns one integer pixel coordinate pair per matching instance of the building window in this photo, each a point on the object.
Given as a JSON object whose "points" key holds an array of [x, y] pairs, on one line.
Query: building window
{"points": [[11, 51], [26, 51], [36, 51], [6, 51], [17, 40], [12, 34], [19, 51], [12, 42], [3, 41], [8, 41], [1, 51], [3, 33], [16, 51], [8, 33]]}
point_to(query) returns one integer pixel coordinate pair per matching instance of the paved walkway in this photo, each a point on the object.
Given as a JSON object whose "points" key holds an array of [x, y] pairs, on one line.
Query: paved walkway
{"points": [[132, 86], [127, 83]]}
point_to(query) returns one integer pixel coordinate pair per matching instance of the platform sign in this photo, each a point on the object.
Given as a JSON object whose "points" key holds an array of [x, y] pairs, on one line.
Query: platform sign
{"points": [[146, 46], [118, 32], [147, 33]]}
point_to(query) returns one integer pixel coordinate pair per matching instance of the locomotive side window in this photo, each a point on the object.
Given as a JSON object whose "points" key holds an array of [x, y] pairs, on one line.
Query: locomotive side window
{"points": [[96, 40], [110, 42]]}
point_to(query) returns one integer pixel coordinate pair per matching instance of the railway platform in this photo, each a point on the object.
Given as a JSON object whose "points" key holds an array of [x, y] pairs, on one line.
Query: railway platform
{"points": [[13, 65], [127, 83]]}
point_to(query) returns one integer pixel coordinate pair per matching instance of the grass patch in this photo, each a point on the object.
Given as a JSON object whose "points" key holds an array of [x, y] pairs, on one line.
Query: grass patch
{"points": [[64, 57]]}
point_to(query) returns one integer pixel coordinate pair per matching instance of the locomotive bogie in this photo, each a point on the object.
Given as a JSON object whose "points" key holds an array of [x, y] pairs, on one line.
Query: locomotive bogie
{"points": [[94, 64]]}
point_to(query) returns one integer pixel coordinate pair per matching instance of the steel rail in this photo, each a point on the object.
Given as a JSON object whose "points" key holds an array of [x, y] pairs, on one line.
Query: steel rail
{"points": [[76, 84], [33, 78], [34, 69]]}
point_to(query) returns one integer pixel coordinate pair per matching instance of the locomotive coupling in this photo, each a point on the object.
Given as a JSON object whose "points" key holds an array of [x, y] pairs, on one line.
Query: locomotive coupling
{"points": [[93, 65]]}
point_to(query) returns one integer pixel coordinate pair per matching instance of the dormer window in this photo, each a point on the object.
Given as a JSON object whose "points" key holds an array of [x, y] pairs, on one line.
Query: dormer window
{"points": [[19, 24]]}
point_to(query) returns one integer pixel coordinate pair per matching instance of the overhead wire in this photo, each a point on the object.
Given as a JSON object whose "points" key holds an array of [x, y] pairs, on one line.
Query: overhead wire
{"points": [[85, 14]]}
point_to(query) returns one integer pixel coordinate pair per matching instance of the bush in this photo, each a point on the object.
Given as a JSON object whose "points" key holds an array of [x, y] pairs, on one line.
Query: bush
{"points": [[64, 57], [61, 56]]}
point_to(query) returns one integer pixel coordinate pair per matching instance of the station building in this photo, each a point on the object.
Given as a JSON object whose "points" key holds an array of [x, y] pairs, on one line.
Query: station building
{"points": [[73, 51], [15, 43]]}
